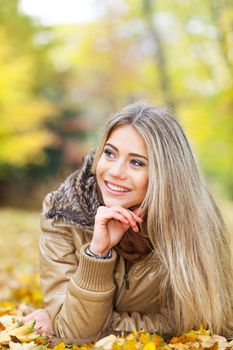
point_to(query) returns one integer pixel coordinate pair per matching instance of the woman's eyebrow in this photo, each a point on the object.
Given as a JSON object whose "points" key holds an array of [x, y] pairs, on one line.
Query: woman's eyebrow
{"points": [[131, 154]]}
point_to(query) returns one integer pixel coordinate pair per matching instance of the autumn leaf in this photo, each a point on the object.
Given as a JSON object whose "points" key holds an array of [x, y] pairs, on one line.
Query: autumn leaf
{"points": [[149, 346], [60, 346]]}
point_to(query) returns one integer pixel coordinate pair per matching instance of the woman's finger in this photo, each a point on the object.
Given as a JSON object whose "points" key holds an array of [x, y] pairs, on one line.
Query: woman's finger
{"points": [[114, 215], [120, 217], [130, 215], [29, 317], [127, 217], [109, 214]]}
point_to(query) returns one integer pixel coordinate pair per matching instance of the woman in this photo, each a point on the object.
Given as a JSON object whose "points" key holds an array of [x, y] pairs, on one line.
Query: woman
{"points": [[133, 239]]}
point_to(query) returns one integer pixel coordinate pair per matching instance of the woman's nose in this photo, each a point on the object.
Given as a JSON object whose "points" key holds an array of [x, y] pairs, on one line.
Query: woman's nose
{"points": [[118, 170]]}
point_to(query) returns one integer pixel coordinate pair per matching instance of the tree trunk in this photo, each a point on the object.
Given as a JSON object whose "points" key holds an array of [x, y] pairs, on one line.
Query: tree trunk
{"points": [[160, 57]]}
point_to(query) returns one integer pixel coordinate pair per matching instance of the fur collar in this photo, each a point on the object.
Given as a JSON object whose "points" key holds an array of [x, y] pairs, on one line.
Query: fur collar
{"points": [[76, 200]]}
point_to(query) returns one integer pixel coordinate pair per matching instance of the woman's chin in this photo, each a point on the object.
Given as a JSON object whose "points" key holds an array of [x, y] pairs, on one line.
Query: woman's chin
{"points": [[113, 203]]}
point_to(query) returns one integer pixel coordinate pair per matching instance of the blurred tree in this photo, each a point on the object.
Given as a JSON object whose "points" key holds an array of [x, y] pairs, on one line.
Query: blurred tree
{"points": [[159, 53], [34, 111], [22, 135], [165, 51]]}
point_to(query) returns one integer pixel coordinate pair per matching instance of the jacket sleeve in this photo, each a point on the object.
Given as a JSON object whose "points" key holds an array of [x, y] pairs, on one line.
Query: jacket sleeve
{"points": [[159, 322], [78, 292]]}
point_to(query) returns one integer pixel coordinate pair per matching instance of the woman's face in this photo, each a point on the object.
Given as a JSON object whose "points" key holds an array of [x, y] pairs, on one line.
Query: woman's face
{"points": [[122, 170]]}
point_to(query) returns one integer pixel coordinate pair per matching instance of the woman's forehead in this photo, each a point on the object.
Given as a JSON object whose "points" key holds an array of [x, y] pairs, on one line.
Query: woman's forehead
{"points": [[127, 138]]}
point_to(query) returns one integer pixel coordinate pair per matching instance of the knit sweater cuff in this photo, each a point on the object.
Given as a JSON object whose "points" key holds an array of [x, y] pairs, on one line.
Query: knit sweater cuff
{"points": [[93, 274]]}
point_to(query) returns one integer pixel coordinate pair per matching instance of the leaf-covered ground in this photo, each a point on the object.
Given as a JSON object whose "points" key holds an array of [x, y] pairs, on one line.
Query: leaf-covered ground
{"points": [[20, 293]]}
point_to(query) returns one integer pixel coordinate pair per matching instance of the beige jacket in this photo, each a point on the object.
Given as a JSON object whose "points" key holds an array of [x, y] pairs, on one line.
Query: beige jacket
{"points": [[85, 296]]}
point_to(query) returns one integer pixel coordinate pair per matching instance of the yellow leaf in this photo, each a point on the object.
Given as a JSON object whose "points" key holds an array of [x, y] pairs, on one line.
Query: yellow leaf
{"points": [[75, 347], [117, 346], [144, 338], [158, 340], [60, 346], [149, 346], [7, 304]]}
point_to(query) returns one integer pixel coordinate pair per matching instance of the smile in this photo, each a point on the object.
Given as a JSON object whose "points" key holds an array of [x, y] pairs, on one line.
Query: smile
{"points": [[116, 188]]}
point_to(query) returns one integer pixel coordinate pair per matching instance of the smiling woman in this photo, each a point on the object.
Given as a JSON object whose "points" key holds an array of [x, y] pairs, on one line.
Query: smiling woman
{"points": [[133, 239], [122, 174]]}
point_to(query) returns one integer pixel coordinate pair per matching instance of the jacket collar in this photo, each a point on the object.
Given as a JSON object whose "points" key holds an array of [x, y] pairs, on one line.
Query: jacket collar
{"points": [[76, 200]]}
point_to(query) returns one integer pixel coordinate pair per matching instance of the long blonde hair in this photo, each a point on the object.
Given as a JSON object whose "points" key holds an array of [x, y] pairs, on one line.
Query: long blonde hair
{"points": [[183, 223]]}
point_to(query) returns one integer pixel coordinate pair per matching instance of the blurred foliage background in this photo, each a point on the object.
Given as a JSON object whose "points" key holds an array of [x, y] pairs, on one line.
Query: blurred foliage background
{"points": [[59, 83]]}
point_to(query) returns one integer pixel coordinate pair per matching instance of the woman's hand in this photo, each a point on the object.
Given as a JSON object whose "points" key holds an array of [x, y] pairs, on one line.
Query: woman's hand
{"points": [[43, 323], [110, 225]]}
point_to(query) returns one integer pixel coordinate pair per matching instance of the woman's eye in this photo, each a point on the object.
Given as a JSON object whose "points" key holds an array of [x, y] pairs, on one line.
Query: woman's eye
{"points": [[108, 153], [137, 162]]}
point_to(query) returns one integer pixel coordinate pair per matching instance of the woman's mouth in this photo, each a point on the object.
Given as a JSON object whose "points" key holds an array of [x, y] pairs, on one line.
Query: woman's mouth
{"points": [[116, 189]]}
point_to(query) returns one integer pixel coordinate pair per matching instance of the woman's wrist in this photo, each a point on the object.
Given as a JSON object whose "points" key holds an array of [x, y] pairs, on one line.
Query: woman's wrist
{"points": [[95, 249], [107, 254]]}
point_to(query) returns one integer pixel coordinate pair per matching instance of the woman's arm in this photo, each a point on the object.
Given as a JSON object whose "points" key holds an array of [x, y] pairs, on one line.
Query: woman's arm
{"points": [[159, 323], [78, 292]]}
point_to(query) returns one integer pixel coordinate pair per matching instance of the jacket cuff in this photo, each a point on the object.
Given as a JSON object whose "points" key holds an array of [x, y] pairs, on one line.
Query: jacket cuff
{"points": [[93, 274]]}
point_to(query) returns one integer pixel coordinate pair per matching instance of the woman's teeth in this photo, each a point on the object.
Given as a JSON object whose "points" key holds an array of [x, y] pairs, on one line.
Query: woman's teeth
{"points": [[116, 188]]}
